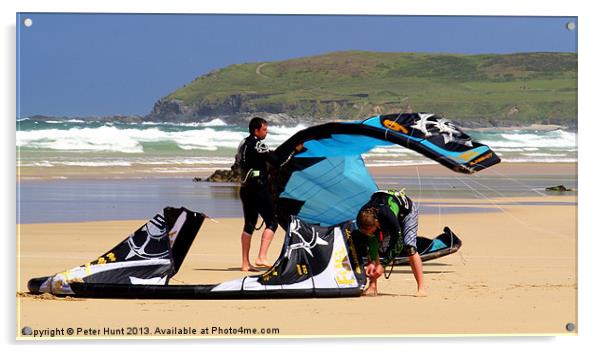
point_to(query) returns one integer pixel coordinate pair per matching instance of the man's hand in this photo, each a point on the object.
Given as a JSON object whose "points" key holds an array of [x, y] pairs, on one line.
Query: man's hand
{"points": [[374, 270]]}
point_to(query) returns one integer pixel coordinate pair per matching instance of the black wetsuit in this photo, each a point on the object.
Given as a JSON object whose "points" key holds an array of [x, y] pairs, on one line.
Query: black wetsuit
{"points": [[255, 192]]}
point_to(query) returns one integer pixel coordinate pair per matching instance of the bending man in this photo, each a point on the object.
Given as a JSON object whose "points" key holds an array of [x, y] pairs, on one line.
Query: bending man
{"points": [[389, 215]]}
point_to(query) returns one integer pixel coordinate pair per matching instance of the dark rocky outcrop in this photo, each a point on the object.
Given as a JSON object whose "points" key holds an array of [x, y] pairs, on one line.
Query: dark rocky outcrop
{"points": [[558, 188], [231, 175]]}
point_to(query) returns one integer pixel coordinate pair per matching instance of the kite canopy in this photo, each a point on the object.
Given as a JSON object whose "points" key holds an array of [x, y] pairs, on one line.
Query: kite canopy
{"points": [[327, 182], [150, 255], [314, 262]]}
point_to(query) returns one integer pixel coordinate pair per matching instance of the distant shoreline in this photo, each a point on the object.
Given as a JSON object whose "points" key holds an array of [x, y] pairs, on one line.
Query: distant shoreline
{"points": [[288, 120]]}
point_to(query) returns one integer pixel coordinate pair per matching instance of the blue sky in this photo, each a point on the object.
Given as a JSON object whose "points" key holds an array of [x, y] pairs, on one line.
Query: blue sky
{"points": [[108, 64]]}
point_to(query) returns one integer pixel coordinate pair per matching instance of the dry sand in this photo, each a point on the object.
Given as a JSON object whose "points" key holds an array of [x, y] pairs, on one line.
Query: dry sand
{"points": [[515, 274]]}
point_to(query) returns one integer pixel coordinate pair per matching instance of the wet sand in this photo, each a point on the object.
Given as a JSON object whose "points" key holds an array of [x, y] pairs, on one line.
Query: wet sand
{"points": [[26, 174]]}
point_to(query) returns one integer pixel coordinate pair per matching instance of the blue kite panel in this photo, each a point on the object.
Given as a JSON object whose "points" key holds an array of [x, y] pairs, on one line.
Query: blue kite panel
{"points": [[328, 182], [334, 190]]}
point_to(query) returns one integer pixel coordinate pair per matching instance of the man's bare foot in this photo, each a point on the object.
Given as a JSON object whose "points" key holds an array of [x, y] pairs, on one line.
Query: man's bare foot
{"points": [[248, 269], [421, 293], [262, 263], [370, 292]]}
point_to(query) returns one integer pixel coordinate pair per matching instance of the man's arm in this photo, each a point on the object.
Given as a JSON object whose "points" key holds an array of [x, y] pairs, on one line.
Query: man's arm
{"points": [[374, 269]]}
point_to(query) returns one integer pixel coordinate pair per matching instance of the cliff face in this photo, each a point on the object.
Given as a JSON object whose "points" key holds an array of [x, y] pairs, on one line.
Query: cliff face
{"points": [[478, 89], [239, 104], [167, 110]]}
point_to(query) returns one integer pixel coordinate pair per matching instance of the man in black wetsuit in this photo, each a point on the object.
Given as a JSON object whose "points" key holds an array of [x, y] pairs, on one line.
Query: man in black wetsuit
{"points": [[255, 192], [393, 216]]}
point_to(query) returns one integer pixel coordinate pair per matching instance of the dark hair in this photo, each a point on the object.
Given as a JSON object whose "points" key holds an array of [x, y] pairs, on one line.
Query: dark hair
{"points": [[256, 123]]}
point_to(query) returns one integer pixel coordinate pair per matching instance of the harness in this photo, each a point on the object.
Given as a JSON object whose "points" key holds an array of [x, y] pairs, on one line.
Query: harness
{"points": [[241, 162], [396, 195], [252, 173]]}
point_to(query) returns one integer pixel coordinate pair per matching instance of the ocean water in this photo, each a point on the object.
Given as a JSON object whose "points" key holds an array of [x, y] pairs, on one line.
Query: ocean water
{"points": [[70, 170], [166, 149]]}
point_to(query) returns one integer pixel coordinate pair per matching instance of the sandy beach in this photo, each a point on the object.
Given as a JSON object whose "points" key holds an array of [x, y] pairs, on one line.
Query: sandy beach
{"points": [[515, 274]]}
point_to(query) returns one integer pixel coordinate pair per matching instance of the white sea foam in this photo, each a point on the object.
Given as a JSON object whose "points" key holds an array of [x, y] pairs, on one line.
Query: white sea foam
{"points": [[73, 121], [206, 139], [209, 162], [279, 134], [104, 138], [98, 164], [110, 138], [392, 152], [505, 149], [557, 138], [211, 123], [215, 122]]}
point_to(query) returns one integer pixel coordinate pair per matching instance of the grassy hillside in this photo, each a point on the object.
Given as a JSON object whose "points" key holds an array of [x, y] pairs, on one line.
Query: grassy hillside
{"points": [[531, 87]]}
